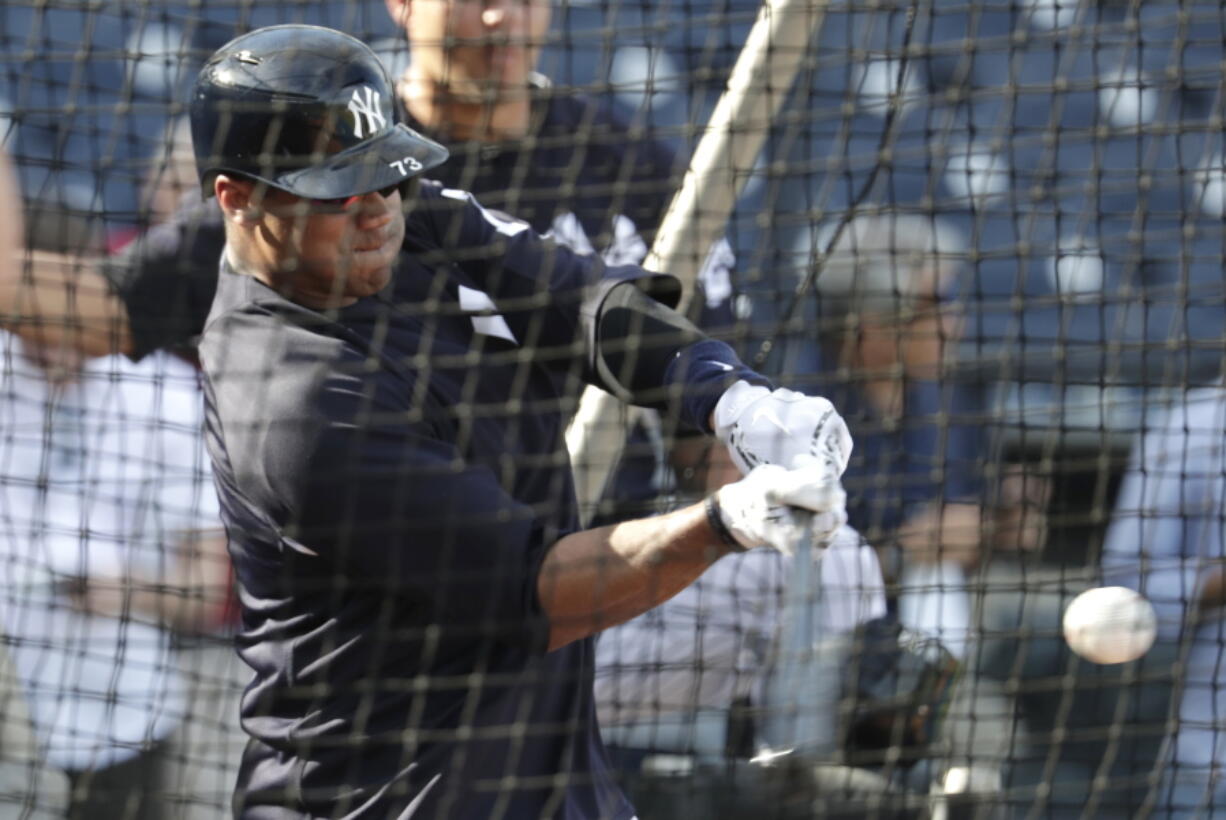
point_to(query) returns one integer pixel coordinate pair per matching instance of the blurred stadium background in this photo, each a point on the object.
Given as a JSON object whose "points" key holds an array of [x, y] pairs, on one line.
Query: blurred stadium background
{"points": [[1076, 145]]}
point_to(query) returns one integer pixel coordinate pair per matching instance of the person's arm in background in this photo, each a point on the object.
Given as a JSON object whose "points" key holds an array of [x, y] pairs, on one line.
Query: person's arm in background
{"points": [[53, 298], [10, 220], [1014, 521], [41, 291], [155, 293], [1168, 514], [943, 531], [1205, 433], [192, 595]]}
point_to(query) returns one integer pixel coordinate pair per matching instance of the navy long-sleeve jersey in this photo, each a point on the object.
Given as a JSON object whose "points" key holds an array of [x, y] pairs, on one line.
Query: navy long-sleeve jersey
{"points": [[391, 475]]}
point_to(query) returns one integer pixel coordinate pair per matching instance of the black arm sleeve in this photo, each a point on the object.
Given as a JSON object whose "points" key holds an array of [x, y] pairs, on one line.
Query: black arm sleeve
{"points": [[636, 338], [167, 277], [648, 354]]}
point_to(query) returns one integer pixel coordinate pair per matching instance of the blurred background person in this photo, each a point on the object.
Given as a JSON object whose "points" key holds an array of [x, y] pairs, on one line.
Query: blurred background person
{"points": [[107, 494], [1166, 540], [193, 596], [199, 601], [28, 789], [925, 485], [888, 327], [108, 501]]}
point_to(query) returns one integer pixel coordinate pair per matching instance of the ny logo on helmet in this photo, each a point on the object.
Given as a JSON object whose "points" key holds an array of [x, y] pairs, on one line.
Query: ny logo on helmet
{"points": [[366, 109]]}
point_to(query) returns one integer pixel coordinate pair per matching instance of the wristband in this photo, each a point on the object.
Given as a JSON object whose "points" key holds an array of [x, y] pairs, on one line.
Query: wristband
{"points": [[715, 519]]}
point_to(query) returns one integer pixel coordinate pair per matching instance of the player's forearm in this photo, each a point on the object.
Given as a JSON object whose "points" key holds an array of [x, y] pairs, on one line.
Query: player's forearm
{"points": [[189, 610], [61, 300], [190, 595], [592, 580]]}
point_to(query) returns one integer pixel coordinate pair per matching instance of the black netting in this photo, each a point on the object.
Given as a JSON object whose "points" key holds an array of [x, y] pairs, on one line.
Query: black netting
{"points": [[990, 233]]}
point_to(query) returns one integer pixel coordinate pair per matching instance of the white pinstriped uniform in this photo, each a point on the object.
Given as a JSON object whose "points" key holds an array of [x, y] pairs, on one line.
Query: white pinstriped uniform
{"points": [[665, 680]]}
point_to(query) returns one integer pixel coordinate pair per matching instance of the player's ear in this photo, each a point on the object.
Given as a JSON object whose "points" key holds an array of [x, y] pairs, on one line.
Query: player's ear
{"points": [[398, 10], [234, 197]]}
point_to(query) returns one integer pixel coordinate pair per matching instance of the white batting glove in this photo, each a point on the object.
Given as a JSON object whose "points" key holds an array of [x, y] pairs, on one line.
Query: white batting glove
{"points": [[778, 508], [762, 426]]}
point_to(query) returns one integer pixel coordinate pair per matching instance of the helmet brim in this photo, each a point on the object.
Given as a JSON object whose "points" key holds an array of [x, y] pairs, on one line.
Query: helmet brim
{"points": [[388, 159]]}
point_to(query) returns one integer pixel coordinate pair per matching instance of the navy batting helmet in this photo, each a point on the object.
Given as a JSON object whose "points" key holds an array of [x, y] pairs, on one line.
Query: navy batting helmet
{"points": [[305, 109]]}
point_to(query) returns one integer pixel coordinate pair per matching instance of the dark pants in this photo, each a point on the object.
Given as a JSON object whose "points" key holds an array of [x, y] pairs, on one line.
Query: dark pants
{"points": [[126, 791]]}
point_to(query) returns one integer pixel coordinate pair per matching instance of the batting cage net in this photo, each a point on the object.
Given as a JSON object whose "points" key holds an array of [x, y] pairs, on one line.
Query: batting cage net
{"points": [[989, 233]]}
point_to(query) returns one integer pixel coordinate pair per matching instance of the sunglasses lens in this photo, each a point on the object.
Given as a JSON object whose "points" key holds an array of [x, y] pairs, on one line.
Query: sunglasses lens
{"points": [[343, 203]]}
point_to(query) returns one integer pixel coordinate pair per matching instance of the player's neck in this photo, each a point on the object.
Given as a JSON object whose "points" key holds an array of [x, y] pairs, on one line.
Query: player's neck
{"points": [[885, 395], [284, 282], [881, 381], [455, 119]]}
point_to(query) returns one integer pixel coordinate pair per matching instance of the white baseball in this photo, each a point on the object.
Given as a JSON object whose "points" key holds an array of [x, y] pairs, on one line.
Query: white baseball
{"points": [[1110, 625]]}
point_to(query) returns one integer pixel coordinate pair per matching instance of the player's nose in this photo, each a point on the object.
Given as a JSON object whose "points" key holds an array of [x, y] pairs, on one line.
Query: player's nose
{"points": [[500, 14]]}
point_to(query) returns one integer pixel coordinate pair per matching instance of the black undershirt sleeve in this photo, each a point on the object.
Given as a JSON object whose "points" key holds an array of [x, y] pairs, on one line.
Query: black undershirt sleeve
{"points": [[648, 354], [166, 278]]}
